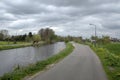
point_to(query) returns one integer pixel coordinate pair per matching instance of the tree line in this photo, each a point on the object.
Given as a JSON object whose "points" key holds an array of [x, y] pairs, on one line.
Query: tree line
{"points": [[48, 35]]}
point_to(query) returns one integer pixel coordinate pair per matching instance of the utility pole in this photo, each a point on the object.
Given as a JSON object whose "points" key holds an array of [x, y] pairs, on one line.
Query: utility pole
{"points": [[95, 33]]}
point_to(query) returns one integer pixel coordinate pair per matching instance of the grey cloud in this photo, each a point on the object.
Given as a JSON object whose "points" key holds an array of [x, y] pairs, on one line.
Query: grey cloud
{"points": [[112, 25], [25, 8], [77, 3], [65, 2], [70, 16]]}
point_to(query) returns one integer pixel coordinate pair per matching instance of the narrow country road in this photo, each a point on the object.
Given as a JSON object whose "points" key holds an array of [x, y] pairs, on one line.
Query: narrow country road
{"points": [[81, 64]]}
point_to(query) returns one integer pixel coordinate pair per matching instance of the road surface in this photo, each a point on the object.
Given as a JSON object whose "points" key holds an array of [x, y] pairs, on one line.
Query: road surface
{"points": [[81, 64]]}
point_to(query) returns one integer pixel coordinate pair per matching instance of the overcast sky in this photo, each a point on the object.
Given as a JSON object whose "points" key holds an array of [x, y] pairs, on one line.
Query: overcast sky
{"points": [[66, 17]]}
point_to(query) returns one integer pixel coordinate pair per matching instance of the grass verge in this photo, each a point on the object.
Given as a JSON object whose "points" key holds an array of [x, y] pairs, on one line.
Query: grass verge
{"points": [[110, 61], [21, 72]]}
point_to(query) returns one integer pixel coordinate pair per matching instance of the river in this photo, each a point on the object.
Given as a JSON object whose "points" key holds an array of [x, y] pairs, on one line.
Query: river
{"points": [[28, 55]]}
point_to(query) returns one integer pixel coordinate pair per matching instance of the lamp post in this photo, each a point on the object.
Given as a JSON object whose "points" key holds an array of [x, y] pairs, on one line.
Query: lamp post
{"points": [[95, 33]]}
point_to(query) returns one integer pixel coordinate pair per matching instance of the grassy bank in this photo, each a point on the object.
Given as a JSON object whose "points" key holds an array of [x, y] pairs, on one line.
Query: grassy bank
{"points": [[6, 47], [11, 42], [21, 72], [110, 58]]}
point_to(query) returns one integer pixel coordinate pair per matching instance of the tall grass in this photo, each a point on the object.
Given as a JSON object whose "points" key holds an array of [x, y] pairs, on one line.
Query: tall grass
{"points": [[110, 59], [21, 72], [114, 48]]}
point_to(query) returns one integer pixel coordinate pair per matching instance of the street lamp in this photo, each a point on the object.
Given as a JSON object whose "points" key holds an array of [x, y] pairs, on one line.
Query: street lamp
{"points": [[95, 32]]}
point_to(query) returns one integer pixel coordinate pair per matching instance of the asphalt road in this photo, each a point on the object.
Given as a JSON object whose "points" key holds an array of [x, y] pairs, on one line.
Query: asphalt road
{"points": [[81, 64]]}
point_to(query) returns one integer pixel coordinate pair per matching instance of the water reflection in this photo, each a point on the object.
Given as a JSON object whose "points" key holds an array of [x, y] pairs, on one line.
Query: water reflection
{"points": [[23, 56]]}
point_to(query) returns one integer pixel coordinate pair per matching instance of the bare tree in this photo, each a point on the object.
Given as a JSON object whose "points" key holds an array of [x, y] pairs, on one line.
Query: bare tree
{"points": [[4, 34], [46, 34]]}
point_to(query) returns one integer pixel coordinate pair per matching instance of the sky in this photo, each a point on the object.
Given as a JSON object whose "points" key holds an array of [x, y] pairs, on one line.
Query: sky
{"points": [[65, 17]]}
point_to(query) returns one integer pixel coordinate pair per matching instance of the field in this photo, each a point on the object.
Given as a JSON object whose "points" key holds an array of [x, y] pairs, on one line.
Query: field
{"points": [[110, 58]]}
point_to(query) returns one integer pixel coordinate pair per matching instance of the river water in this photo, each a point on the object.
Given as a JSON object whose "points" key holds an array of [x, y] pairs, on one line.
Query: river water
{"points": [[24, 56]]}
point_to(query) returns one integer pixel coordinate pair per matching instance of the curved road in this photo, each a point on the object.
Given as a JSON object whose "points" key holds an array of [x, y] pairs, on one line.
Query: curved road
{"points": [[81, 64]]}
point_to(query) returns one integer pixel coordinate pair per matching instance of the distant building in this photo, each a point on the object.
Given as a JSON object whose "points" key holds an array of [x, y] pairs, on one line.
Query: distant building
{"points": [[115, 40]]}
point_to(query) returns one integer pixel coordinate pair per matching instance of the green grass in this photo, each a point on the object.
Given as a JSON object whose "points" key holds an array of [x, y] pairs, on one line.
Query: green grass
{"points": [[6, 47], [11, 43], [114, 48], [20, 73], [110, 59]]}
